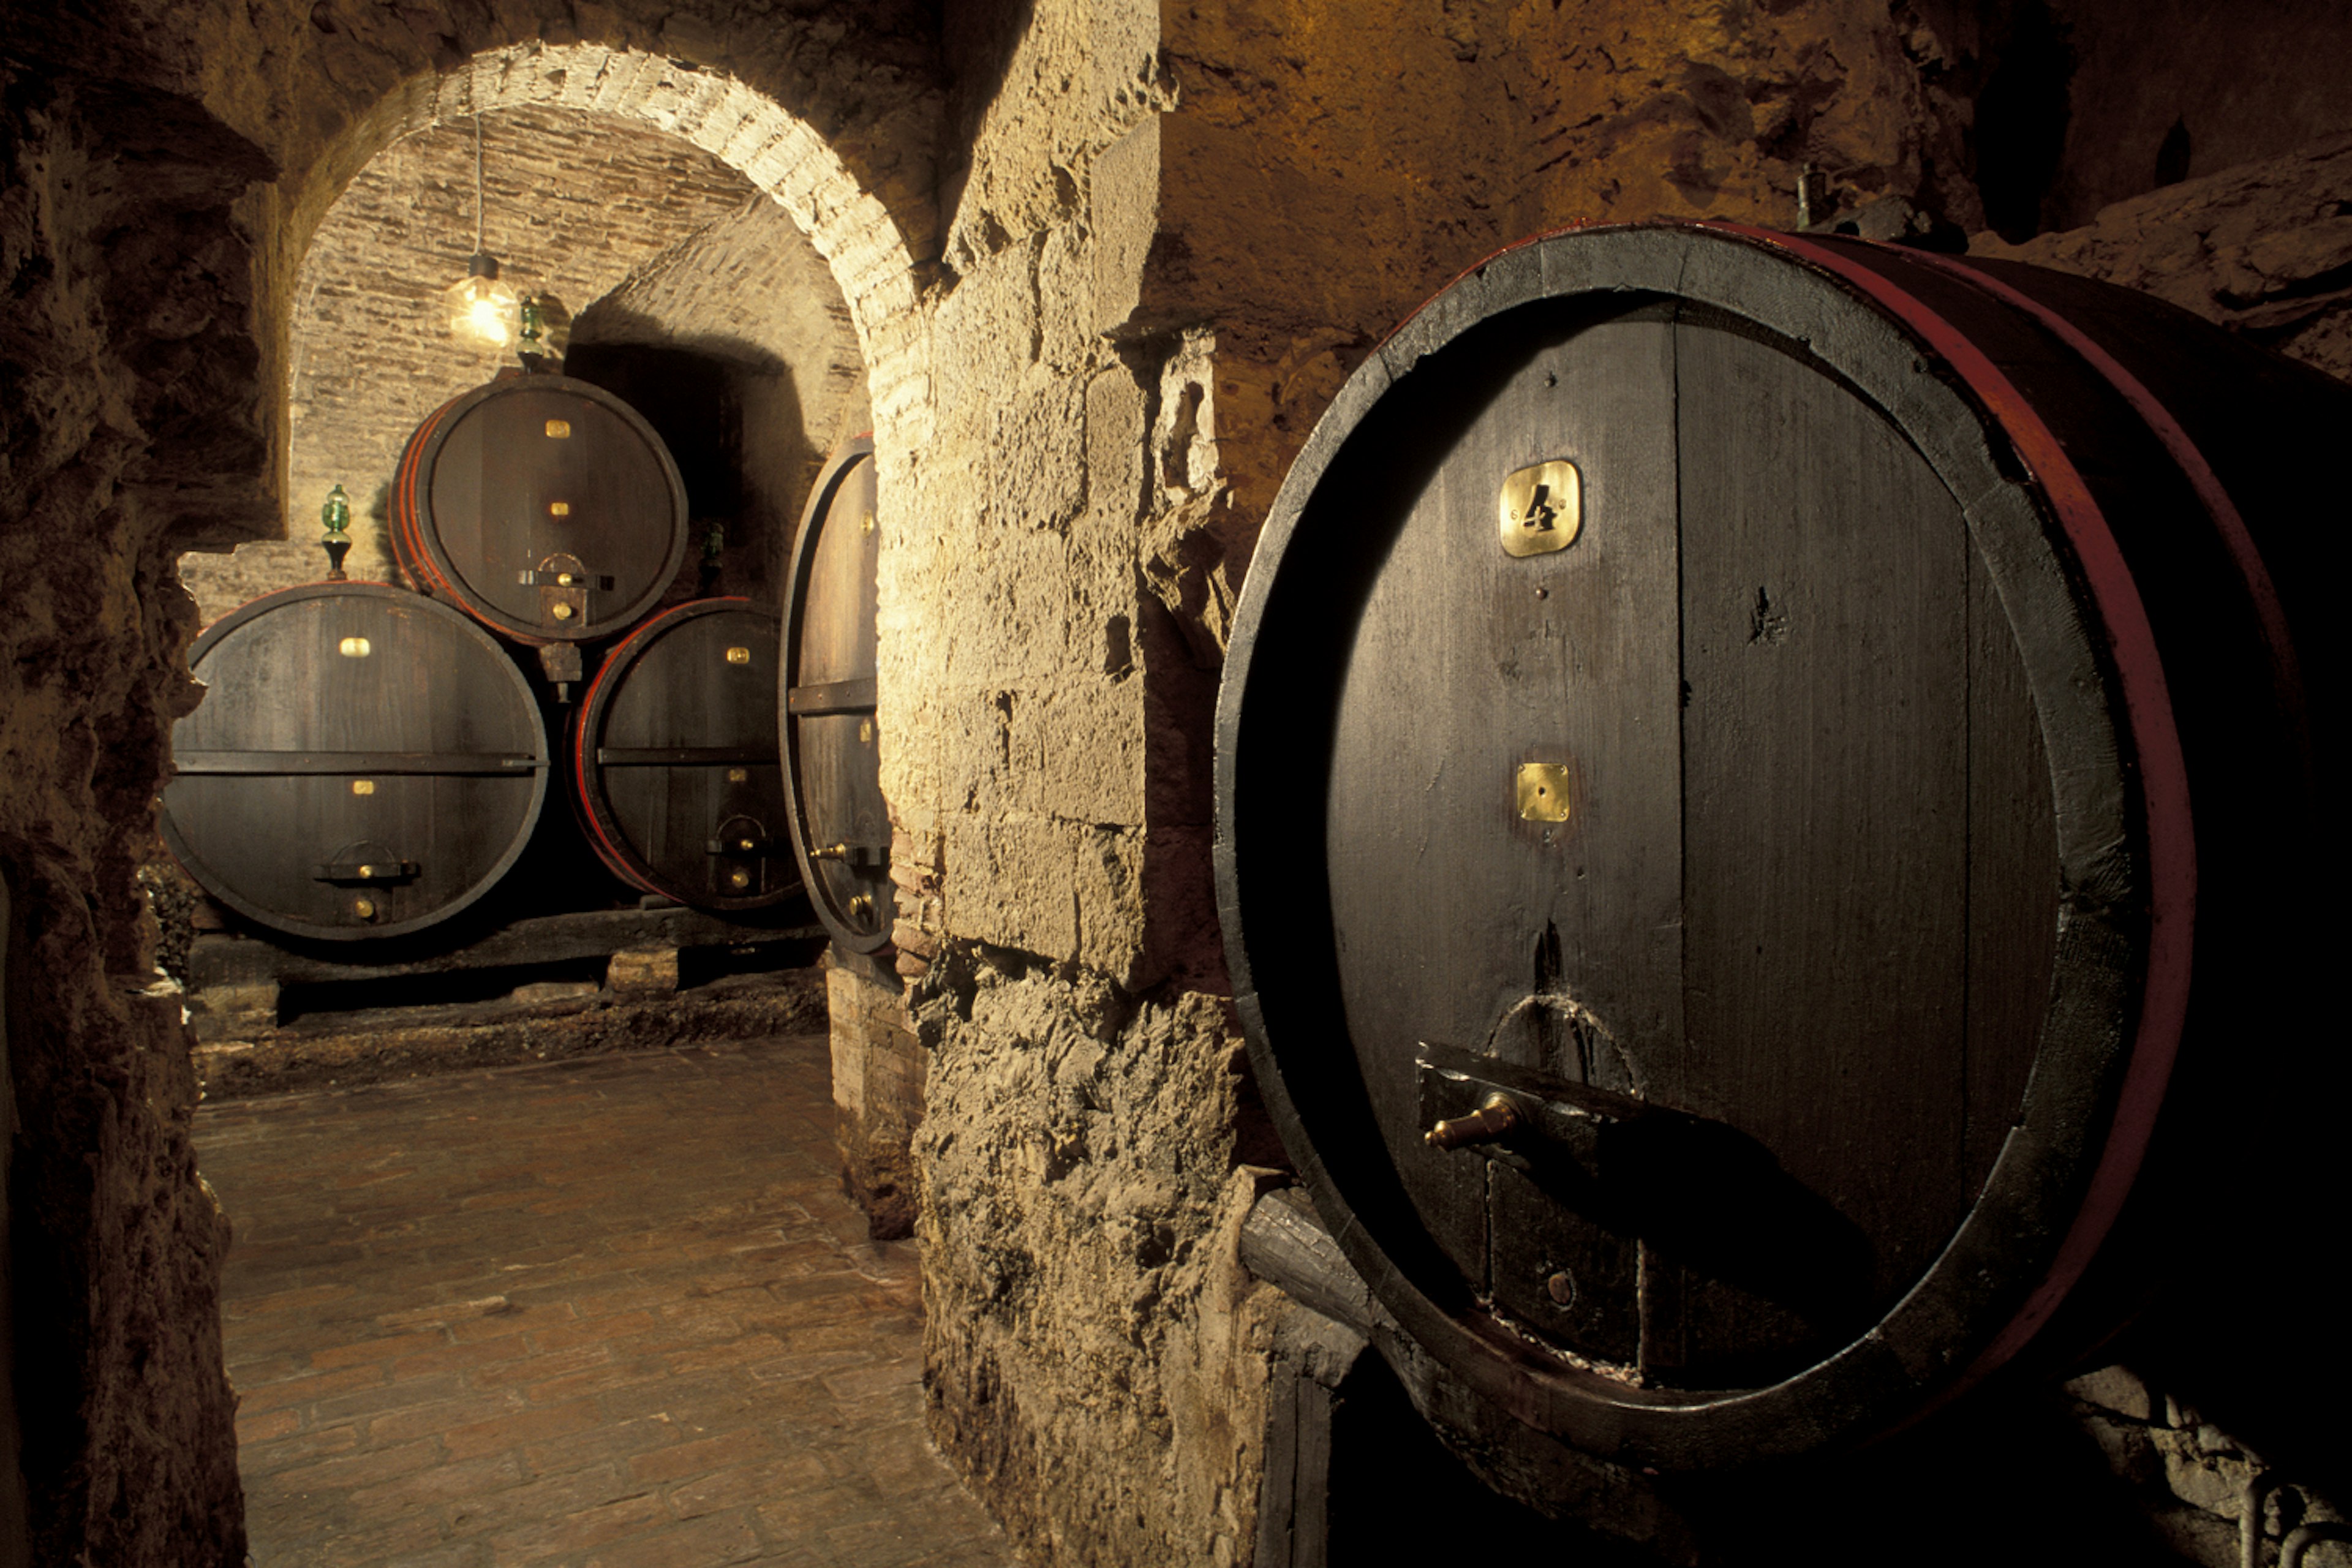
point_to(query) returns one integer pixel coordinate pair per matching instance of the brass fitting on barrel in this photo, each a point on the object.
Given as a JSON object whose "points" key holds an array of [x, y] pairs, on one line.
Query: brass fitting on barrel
{"points": [[1495, 1119]]}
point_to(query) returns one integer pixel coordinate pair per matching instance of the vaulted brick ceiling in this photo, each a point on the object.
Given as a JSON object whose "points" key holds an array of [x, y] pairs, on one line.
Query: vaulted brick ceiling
{"points": [[573, 204]]}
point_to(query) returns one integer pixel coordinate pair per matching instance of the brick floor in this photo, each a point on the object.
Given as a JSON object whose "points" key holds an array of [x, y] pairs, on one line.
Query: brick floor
{"points": [[602, 1313]]}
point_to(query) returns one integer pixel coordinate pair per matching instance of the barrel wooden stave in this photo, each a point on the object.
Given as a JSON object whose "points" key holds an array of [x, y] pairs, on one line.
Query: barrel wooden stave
{"points": [[841, 824], [503, 490], [699, 678], [1758, 928], [429, 696]]}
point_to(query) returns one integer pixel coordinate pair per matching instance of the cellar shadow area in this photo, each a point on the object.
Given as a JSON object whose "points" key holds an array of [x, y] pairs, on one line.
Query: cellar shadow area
{"points": [[613, 1309]]}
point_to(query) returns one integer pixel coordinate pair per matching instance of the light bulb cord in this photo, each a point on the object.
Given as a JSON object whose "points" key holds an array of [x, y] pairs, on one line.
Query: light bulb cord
{"points": [[478, 183]]}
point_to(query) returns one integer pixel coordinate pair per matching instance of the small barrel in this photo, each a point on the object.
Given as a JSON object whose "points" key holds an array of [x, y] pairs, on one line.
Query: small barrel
{"points": [[366, 762], [544, 507], [675, 773], [841, 826], [1733, 748]]}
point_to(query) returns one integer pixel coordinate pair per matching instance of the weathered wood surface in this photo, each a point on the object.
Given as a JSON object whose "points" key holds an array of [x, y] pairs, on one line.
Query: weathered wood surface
{"points": [[1284, 1243], [825, 717], [676, 771], [217, 958], [366, 762], [1877, 740], [1321, 1341], [543, 506]]}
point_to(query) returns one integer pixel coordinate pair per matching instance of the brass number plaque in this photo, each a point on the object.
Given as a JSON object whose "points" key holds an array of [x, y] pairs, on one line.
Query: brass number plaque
{"points": [[738, 656], [354, 648], [1541, 509], [559, 428], [1541, 789]]}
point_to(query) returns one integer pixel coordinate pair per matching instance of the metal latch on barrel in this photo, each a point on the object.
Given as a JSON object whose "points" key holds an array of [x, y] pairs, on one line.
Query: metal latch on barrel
{"points": [[548, 577], [1516, 1115], [743, 844], [564, 584], [857, 856], [373, 869], [1705, 1195]]}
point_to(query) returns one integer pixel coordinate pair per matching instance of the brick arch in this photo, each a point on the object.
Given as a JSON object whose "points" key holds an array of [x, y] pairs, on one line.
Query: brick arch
{"points": [[750, 132]]}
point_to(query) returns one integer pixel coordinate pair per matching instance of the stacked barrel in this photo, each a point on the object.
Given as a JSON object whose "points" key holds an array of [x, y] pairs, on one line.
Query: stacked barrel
{"points": [[368, 761]]}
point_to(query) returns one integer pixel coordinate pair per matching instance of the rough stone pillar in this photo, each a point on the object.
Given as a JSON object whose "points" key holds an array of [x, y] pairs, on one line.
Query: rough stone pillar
{"points": [[878, 1091]]}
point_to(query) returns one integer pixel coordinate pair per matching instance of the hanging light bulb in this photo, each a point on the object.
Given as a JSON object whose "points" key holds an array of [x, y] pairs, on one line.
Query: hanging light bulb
{"points": [[480, 306]]}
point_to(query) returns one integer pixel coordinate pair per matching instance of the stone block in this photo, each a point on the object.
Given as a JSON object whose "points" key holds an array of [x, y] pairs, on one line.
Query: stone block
{"points": [[2213, 1483], [646, 973], [233, 1012], [1085, 741], [2121, 1390], [1008, 880], [844, 995], [1116, 429], [1038, 474], [1111, 904], [1067, 344], [878, 1095], [1005, 615], [1125, 216], [1194, 222]]}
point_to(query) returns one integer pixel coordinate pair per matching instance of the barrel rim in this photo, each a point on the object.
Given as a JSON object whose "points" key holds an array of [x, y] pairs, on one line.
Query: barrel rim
{"points": [[818, 509], [1885, 1374], [592, 804], [421, 552], [542, 765]]}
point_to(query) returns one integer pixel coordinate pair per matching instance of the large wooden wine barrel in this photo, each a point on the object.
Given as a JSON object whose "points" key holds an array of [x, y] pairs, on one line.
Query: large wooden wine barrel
{"points": [[841, 825], [545, 507], [675, 773], [1754, 735], [366, 762]]}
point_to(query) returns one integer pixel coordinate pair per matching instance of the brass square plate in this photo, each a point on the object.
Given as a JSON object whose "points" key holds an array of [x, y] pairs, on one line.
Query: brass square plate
{"points": [[1542, 792], [1542, 508]]}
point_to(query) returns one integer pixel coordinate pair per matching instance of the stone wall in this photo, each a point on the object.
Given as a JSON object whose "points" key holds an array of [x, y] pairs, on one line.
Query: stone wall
{"points": [[2264, 249], [2152, 94], [1078, 1104], [878, 1091], [128, 434]]}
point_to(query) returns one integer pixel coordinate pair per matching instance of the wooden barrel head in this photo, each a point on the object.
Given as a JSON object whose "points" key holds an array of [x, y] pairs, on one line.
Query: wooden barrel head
{"points": [[366, 762], [543, 506], [676, 774], [841, 824], [1691, 729]]}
